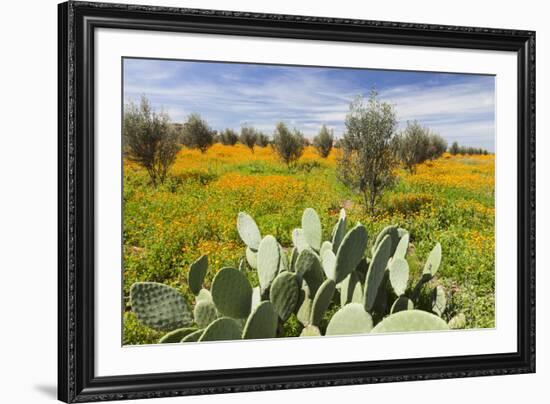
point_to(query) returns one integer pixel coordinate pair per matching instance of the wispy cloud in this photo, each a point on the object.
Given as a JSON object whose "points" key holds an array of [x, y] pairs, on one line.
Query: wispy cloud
{"points": [[459, 107]]}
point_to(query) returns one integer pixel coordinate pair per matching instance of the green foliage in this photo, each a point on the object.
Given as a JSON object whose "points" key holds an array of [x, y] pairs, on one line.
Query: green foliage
{"points": [[456, 149], [417, 144], [323, 141], [196, 134], [262, 139], [288, 144], [248, 137], [149, 139], [367, 163]]}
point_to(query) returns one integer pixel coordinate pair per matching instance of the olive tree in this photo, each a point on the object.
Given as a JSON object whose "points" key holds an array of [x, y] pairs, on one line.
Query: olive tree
{"points": [[437, 146], [229, 137], [248, 137], [412, 146], [324, 141], [368, 160], [262, 139], [196, 134], [289, 145], [149, 139]]}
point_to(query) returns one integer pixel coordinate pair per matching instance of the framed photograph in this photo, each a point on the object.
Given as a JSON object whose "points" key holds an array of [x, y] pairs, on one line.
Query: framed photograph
{"points": [[257, 201]]}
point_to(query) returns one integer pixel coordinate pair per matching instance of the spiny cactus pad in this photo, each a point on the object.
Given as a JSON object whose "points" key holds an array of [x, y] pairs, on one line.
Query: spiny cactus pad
{"points": [[310, 331], [251, 258], [197, 272], [311, 227], [328, 259], [284, 294], [268, 261], [350, 252], [262, 322], [248, 230], [159, 306], [350, 319], [299, 240], [204, 294], [321, 301], [348, 287], [402, 247], [387, 231], [458, 322], [327, 245], [433, 261], [204, 312], [304, 311], [399, 275], [376, 272], [410, 320], [401, 303], [283, 260], [308, 266], [439, 300], [193, 337], [176, 335], [256, 298], [222, 329], [339, 231], [232, 293]]}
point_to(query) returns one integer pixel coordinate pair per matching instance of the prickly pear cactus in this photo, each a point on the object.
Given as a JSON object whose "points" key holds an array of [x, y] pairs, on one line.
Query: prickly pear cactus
{"points": [[350, 319], [262, 322], [268, 261], [222, 329], [401, 303], [399, 275], [328, 260], [176, 335], [433, 262], [284, 294], [410, 320], [394, 237], [248, 231], [350, 252], [348, 288], [204, 294], [310, 331], [204, 312], [327, 245], [197, 272], [311, 271], [193, 337], [376, 272], [339, 231], [232, 293], [439, 300], [312, 230], [458, 322], [321, 301], [251, 258], [159, 306], [402, 247], [299, 240]]}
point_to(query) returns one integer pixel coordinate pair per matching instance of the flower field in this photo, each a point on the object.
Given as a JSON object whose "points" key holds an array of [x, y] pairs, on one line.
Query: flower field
{"points": [[449, 200]]}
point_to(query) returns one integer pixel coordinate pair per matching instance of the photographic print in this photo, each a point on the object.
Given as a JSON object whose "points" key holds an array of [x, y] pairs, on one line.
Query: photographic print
{"points": [[279, 201]]}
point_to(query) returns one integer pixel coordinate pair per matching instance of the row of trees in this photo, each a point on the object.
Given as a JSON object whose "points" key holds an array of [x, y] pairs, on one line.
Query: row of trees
{"points": [[456, 149], [372, 147]]}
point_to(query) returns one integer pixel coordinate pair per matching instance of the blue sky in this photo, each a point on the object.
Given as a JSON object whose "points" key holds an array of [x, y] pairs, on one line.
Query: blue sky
{"points": [[228, 95]]}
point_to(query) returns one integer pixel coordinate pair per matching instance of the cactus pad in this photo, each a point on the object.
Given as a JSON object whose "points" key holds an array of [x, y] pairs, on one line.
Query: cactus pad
{"points": [[401, 303], [283, 260], [284, 294], [268, 261], [339, 231], [262, 322], [248, 231], [327, 245], [193, 337], [350, 319], [159, 306], [308, 267], [394, 237], [376, 272], [458, 322], [310, 331], [204, 294], [232, 293], [350, 252], [329, 263], [410, 320], [204, 312], [299, 240], [221, 329], [256, 298], [433, 261], [312, 230], [176, 335], [399, 275], [402, 247], [439, 300], [197, 272], [321, 301], [251, 258], [304, 311], [348, 288]]}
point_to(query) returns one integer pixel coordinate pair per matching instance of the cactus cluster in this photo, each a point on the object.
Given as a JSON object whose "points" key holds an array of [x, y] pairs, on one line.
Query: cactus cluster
{"points": [[374, 293]]}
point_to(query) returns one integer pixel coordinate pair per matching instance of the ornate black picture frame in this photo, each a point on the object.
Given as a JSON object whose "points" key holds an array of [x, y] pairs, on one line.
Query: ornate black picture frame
{"points": [[77, 23]]}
